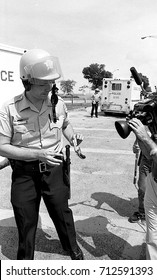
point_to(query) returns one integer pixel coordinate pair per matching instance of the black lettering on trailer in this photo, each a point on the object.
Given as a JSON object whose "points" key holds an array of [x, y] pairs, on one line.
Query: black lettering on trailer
{"points": [[6, 76]]}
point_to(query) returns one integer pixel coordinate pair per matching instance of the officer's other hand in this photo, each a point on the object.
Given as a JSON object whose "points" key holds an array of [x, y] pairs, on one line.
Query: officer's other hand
{"points": [[76, 140]]}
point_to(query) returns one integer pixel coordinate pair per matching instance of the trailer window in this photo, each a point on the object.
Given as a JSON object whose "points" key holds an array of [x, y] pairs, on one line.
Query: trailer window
{"points": [[116, 86]]}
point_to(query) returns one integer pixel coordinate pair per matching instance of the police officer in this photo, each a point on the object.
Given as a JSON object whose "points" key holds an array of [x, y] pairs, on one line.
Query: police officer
{"points": [[31, 138], [95, 103]]}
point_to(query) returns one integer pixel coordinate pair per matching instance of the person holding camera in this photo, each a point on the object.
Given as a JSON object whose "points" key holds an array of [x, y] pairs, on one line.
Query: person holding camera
{"points": [[149, 149], [32, 126], [144, 165]]}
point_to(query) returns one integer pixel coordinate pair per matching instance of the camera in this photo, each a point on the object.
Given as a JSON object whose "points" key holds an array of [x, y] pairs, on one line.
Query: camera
{"points": [[146, 112]]}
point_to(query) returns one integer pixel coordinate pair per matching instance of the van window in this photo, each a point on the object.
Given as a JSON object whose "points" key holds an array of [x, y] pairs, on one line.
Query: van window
{"points": [[116, 86]]}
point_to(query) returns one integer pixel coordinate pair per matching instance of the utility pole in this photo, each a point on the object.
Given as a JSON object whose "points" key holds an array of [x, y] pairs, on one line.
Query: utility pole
{"points": [[114, 72], [150, 36]]}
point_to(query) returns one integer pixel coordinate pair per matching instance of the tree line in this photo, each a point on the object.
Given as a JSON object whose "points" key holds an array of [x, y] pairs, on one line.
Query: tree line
{"points": [[95, 73]]}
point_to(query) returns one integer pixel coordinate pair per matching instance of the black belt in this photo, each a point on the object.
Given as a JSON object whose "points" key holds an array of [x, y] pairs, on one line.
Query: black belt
{"points": [[30, 166]]}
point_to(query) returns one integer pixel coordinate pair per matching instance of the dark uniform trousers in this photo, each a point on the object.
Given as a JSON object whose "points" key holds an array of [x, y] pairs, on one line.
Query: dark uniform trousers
{"points": [[28, 186], [94, 109]]}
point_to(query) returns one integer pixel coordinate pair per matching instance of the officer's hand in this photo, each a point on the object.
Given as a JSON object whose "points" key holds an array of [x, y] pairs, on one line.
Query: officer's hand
{"points": [[51, 158]]}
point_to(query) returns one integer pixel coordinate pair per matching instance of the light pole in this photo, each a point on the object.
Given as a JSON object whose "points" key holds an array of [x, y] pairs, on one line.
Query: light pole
{"points": [[150, 36], [153, 37], [114, 72], [89, 82]]}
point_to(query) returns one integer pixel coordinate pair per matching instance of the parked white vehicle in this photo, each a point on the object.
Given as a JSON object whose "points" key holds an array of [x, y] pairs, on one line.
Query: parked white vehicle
{"points": [[10, 83], [119, 95]]}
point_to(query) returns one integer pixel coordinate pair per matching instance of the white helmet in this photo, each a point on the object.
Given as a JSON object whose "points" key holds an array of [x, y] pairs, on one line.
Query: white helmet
{"points": [[37, 65]]}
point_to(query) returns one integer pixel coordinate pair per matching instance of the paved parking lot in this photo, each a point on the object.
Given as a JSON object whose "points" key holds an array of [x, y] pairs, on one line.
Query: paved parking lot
{"points": [[103, 197]]}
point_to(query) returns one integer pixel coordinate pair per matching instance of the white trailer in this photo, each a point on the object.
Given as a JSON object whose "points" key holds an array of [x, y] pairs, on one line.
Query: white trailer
{"points": [[119, 95], [10, 83]]}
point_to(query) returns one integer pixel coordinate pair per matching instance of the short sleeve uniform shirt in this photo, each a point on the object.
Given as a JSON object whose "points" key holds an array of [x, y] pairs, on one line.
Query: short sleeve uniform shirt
{"points": [[27, 127]]}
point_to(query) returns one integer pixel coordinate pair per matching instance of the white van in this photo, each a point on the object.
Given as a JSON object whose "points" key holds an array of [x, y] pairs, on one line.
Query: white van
{"points": [[119, 95], [10, 83]]}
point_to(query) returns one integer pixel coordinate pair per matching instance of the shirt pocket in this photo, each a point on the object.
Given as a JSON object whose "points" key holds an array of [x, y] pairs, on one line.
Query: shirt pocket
{"points": [[56, 130], [23, 134]]}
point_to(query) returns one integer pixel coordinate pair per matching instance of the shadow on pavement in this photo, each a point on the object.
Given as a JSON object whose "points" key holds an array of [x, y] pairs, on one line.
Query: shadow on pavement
{"points": [[122, 206], [104, 244], [45, 243], [93, 235]]}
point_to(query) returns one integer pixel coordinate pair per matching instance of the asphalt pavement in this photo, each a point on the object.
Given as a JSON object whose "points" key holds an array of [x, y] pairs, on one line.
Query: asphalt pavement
{"points": [[103, 197]]}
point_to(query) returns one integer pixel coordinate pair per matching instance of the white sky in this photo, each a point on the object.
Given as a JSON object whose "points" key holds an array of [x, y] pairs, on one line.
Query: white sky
{"points": [[82, 32]]}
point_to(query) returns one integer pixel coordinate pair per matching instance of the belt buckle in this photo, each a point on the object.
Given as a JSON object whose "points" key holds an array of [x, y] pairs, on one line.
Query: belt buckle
{"points": [[42, 167]]}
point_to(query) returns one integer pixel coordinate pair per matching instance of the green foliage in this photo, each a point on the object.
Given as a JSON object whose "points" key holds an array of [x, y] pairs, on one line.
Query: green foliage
{"points": [[67, 86], [95, 73], [145, 82]]}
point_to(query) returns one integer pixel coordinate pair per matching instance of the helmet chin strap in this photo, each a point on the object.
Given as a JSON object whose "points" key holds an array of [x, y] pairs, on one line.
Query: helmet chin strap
{"points": [[27, 85]]}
